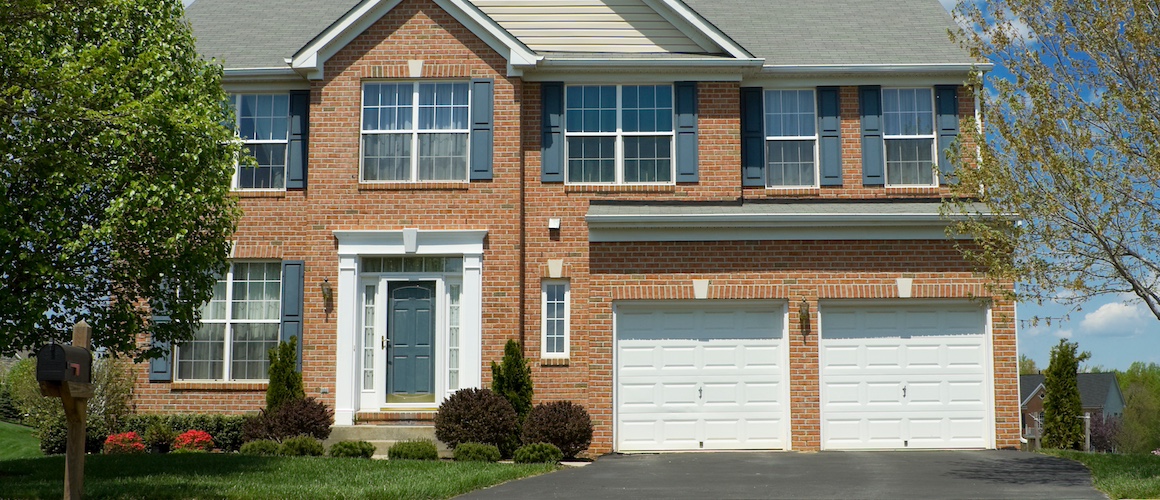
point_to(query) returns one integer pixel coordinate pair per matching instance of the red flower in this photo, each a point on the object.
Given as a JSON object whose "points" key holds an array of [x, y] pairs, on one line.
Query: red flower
{"points": [[193, 440], [126, 442]]}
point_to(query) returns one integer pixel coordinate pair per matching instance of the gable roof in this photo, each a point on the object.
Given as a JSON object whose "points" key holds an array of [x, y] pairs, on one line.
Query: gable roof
{"points": [[839, 33], [1093, 387]]}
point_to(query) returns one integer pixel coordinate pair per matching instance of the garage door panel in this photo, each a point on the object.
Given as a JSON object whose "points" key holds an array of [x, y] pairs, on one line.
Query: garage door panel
{"points": [[870, 353], [699, 379]]}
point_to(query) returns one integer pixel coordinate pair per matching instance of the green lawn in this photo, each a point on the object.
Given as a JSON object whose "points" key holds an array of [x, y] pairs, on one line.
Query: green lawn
{"points": [[18, 441], [238, 476], [1120, 476]]}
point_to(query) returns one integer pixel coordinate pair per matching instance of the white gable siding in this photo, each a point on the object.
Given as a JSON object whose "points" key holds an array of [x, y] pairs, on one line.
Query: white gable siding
{"points": [[588, 26]]}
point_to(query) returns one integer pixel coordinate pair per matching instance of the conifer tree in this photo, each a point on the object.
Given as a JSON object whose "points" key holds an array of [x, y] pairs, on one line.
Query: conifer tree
{"points": [[285, 381], [1062, 407], [512, 378]]}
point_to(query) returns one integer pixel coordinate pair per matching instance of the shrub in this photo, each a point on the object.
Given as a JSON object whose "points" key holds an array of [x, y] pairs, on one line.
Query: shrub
{"points": [[285, 381], [301, 416], [352, 449], [1104, 433], [193, 441], [476, 452], [562, 423], [422, 449], [125, 443], [477, 416], [8, 410], [262, 447], [301, 446], [537, 453], [226, 429], [512, 379], [159, 436], [106, 410], [53, 434]]}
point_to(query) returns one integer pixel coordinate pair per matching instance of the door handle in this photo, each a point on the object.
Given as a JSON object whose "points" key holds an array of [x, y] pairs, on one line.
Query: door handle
{"points": [[699, 393], [904, 391], [383, 342]]}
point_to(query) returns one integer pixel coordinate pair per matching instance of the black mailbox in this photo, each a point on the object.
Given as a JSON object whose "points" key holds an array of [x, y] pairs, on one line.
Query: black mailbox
{"points": [[62, 363]]}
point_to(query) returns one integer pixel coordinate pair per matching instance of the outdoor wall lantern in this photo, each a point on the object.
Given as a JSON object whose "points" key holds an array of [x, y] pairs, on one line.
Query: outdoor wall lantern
{"points": [[804, 318], [327, 295]]}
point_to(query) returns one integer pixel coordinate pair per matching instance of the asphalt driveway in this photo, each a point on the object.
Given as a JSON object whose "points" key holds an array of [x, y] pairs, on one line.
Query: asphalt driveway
{"points": [[838, 475]]}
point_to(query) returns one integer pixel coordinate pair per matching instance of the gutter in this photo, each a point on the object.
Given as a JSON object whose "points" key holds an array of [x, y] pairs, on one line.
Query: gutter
{"points": [[276, 73], [658, 63], [919, 68], [770, 220]]}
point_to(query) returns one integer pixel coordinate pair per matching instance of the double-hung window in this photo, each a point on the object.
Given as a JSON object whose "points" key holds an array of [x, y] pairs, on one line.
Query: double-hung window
{"points": [[238, 328], [791, 138], [554, 313], [415, 131], [908, 117], [263, 126], [619, 134]]}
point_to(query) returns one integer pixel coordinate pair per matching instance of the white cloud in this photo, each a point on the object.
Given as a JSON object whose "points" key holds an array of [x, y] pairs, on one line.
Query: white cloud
{"points": [[1117, 319], [1063, 334]]}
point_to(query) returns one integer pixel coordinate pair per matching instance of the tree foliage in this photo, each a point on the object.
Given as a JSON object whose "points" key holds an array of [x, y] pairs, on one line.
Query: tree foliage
{"points": [[1072, 147], [512, 378], [1139, 430], [114, 172], [1027, 365], [285, 381], [1063, 426]]}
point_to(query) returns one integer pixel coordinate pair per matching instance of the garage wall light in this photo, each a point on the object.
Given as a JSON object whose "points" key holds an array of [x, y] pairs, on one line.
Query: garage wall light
{"points": [[804, 318], [327, 296]]}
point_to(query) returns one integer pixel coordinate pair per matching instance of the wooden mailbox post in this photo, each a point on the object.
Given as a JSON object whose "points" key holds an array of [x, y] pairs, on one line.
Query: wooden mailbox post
{"points": [[65, 372]]}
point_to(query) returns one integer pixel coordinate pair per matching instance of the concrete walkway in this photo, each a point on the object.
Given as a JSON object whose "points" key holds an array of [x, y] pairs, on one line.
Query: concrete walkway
{"points": [[836, 475]]}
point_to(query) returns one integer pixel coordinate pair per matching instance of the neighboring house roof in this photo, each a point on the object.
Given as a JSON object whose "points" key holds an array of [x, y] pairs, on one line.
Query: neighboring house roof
{"points": [[260, 33], [787, 34], [837, 32], [1093, 387]]}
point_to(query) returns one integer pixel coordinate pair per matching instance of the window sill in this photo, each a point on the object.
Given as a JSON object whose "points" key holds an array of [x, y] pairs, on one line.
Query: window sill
{"points": [[218, 386], [553, 361], [246, 193], [412, 186], [620, 188]]}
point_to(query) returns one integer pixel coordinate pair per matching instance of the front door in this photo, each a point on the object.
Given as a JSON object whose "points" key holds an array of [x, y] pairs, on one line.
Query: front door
{"points": [[411, 342]]}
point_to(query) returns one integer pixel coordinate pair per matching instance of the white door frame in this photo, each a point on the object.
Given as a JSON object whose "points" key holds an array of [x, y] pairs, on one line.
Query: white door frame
{"points": [[773, 304], [988, 361], [352, 246]]}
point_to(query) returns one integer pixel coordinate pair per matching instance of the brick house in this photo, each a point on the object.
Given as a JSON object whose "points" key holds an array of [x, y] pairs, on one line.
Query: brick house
{"points": [[1099, 395], [712, 222]]}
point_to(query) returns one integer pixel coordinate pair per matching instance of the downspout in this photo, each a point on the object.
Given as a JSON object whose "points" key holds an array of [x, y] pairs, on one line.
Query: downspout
{"points": [[523, 229]]}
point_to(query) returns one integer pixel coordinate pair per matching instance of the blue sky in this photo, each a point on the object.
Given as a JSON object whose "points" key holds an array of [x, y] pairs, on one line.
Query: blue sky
{"points": [[1115, 329]]}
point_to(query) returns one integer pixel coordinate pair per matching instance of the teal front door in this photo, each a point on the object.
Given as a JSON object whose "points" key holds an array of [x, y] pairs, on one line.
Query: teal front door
{"points": [[411, 342]]}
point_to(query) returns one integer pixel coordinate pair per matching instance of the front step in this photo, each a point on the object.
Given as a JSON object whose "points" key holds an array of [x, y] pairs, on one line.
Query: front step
{"points": [[383, 436]]}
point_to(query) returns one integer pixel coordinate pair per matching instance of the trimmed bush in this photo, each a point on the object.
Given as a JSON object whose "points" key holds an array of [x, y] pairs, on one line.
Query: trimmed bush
{"points": [[285, 381], [477, 416], [537, 453], [226, 429], [261, 447], [352, 449], [306, 416], [422, 449], [476, 452], [512, 379], [562, 423], [53, 434], [125, 443], [301, 446], [159, 436], [193, 441]]}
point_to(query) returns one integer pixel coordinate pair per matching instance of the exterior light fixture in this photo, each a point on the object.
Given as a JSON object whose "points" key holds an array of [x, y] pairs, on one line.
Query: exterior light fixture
{"points": [[327, 295], [804, 318]]}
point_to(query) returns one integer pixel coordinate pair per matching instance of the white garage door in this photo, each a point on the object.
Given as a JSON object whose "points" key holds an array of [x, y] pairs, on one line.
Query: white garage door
{"points": [[700, 377], [904, 377]]}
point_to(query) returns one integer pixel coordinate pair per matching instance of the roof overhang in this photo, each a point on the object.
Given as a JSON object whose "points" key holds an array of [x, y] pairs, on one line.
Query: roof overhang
{"points": [[876, 69], [1033, 392], [698, 28], [790, 221], [311, 59]]}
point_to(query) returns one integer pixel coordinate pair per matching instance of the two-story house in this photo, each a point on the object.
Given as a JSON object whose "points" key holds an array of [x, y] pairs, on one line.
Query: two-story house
{"points": [[714, 223]]}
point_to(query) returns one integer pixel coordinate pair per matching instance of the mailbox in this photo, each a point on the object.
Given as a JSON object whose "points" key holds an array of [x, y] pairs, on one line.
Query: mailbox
{"points": [[62, 363]]}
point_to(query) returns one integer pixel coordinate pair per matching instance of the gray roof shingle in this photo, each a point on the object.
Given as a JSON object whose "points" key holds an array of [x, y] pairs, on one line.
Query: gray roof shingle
{"points": [[837, 32], [1093, 387], [260, 33]]}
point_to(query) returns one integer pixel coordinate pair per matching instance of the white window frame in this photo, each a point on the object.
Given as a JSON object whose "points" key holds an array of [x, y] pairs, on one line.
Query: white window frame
{"points": [[620, 134], [567, 319], [769, 138], [229, 321], [414, 131], [933, 136], [235, 102]]}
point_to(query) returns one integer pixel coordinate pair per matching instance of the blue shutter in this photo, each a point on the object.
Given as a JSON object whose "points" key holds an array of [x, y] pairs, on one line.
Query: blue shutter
{"points": [[482, 129], [830, 134], [686, 129], [946, 99], [292, 302], [552, 138], [873, 156], [299, 135], [752, 137], [161, 369]]}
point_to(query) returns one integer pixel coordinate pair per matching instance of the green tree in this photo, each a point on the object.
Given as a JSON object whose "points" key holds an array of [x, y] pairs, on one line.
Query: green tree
{"points": [[1140, 425], [1027, 365], [1062, 407], [1070, 143], [285, 380], [512, 378], [114, 172]]}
